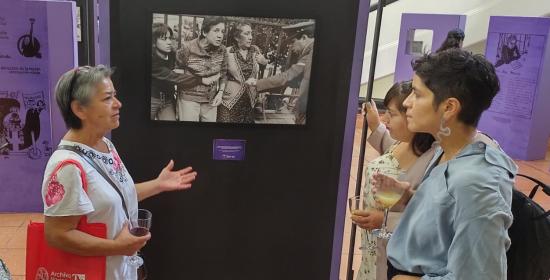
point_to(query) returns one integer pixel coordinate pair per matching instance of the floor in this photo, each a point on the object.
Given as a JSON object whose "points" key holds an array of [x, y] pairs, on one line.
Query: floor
{"points": [[13, 226], [13, 238]]}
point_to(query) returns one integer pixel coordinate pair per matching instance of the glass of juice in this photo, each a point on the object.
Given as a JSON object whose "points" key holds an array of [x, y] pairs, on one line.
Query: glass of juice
{"points": [[386, 197]]}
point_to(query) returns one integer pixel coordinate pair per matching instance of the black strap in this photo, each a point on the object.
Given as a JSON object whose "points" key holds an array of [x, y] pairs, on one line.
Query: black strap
{"points": [[392, 271], [545, 188], [99, 170]]}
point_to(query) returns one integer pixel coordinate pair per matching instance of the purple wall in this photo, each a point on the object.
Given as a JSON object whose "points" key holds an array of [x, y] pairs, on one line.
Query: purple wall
{"points": [[104, 35], [518, 117], [349, 133], [63, 46], [440, 24], [21, 171]]}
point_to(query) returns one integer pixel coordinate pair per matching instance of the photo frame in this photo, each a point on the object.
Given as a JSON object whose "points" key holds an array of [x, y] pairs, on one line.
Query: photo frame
{"points": [[230, 69]]}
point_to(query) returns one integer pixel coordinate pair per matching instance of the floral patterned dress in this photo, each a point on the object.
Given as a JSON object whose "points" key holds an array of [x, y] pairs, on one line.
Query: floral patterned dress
{"points": [[388, 165], [4, 273]]}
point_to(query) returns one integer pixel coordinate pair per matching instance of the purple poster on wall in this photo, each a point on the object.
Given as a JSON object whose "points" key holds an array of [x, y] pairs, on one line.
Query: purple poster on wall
{"points": [[517, 118], [25, 129]]}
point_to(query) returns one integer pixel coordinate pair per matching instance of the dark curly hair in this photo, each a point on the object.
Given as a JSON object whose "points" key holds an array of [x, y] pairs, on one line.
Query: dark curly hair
{"points": [[210, 22], [468, 77], [160, 30], [453, 40]]}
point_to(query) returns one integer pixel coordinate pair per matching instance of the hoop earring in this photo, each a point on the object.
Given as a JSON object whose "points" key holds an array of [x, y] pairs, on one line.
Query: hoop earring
{"points": [[444, 131]]}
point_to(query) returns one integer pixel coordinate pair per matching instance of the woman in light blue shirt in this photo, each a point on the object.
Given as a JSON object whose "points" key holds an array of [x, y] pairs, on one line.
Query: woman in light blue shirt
{"points": [[455, 226]]}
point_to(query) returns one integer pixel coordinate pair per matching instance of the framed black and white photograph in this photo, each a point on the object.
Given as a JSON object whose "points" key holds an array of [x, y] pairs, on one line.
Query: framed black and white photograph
{"points": [[228, 69]]}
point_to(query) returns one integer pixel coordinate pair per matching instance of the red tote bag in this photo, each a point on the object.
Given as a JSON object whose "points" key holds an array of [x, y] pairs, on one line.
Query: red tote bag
{"points": [[45, 262]]}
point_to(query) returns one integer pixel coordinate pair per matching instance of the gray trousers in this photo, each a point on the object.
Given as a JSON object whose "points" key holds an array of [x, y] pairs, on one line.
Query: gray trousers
{"points": [[162, 110], [196, 112]]}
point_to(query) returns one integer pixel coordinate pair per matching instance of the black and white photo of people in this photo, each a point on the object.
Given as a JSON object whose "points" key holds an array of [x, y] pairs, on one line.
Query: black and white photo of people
{"points": [[230, 69]]}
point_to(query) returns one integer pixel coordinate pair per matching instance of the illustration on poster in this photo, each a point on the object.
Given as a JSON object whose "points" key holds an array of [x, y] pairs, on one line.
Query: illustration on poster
{"points": [[511, 48], [28, 45], [19, 136]]}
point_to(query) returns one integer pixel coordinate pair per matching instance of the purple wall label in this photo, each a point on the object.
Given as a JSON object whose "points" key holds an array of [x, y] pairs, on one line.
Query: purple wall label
{"points": [[229, 149], [406, 52], [517, 46]]}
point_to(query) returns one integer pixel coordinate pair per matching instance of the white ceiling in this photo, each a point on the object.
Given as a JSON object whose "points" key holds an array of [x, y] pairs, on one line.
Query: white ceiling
{"points": [[477, 22]]}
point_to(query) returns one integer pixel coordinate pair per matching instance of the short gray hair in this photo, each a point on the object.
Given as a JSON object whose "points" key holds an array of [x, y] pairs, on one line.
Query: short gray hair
{"points": [[78, 84]]}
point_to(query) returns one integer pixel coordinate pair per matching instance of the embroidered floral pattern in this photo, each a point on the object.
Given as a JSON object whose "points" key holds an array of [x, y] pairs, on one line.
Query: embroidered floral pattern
{"points": [[93, 155], [117, 165], [116, 168], [55, 192]]}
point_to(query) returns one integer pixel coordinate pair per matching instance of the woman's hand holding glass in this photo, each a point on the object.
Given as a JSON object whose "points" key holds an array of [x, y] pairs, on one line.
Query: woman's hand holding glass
{"points": [[387, 192], [139, 227], [359, 211], [383, 181], [368, 219], [128, 243]]}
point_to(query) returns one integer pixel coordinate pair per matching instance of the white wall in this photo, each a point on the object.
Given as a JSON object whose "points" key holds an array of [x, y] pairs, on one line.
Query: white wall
{"points": [[477, 23]]}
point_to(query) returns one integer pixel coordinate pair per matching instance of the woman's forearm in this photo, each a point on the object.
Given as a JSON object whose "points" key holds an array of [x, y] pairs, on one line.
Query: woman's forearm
{"points": [[59, 234], [147, 189]]}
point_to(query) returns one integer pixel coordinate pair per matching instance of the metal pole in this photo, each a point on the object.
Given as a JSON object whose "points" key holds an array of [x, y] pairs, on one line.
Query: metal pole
{"points": [[180, 25], [374, 7], [358, 184]]}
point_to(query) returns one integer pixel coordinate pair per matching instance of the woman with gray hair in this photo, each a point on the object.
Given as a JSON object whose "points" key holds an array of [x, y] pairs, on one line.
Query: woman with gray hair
{"points": [[87, 100]]}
